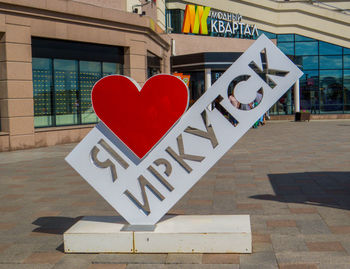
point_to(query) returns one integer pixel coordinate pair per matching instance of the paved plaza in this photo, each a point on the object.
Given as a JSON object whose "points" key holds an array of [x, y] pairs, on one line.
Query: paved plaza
{"points": [[292, 178]]}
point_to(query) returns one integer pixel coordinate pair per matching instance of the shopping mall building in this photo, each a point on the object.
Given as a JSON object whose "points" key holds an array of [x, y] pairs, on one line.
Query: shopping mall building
{"points": [[53, 51]]}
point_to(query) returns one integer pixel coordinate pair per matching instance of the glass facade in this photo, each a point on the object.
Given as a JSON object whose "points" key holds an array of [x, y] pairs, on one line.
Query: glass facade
{"points": [[62, 90], [62, 87], [175, 18], [197, 86], [324, 87], [65, 73], [43, 92]]}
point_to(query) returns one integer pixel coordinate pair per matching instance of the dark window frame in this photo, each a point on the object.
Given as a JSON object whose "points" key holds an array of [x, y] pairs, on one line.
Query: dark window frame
{"points": [[70, 50]]}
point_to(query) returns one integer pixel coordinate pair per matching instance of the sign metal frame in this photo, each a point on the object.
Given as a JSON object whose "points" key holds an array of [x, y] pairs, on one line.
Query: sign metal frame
{"points": [[143, 191]]}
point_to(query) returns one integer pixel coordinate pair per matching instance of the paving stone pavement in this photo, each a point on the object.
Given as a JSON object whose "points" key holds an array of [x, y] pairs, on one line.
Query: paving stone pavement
{"points": [[293, 179]]}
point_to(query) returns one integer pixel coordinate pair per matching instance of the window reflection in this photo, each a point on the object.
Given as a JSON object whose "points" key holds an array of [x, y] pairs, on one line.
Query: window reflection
{"points": [[310, 62], [306, 48], [153, 64], [331, 91], [347, 61], [284, 106], [331, 62], [62, 95], [324, 87], [66, 91], [42, 85], [309, 91], [90, 73], [329, 49], [303, 38], [197, 86], [285, 38], [109, 69], [268, 34], [175, 18], [287, 48]]}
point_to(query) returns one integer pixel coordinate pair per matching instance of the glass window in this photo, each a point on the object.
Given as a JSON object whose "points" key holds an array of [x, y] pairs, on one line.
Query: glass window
{"points": [[42, 85], [285, 38], [346, 51], [62, 94], [66, 91], [64, 73], [309, 92], [303, 38], [176, 17], [309, 80], [215, 75], [268, 34], [109, 69], [196, 87], [329, 49], [287, 48], [90, 73], [306, 48], [309, 100], [331, 62], [347, 61], [310, 62], [331, 91], [284, 106], [153, 64], [347, 91]]}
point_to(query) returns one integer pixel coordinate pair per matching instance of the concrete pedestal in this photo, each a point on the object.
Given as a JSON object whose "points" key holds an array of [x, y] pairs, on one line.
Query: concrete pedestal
{"points": [[173, 234]]}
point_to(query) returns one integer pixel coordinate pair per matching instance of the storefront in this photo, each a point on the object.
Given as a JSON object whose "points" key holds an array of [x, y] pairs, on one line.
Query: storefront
{"points": [[198, 65], [63, 74], [324, 88], [53, 52]]}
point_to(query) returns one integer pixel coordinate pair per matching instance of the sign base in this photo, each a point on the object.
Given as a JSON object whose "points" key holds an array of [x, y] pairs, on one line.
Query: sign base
{"points": [[173, 234]]}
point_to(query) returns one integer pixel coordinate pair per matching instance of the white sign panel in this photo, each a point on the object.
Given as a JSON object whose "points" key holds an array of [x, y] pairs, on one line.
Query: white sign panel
{"points": [[143, 191]]}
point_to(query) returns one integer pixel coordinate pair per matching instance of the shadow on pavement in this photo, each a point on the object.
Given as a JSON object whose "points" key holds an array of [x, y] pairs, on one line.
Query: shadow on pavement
{"points": [[330, 189], [54, 225], [60, 248]]}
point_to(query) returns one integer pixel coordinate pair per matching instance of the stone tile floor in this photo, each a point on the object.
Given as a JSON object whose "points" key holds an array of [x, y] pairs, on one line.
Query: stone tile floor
{"points": [[293, 179]]}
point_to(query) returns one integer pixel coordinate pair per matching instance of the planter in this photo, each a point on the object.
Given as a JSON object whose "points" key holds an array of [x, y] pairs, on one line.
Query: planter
{"points": [[302, 116]]}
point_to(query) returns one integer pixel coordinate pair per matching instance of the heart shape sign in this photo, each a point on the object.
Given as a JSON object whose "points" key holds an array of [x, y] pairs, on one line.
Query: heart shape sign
{"points": [[140, 117]]}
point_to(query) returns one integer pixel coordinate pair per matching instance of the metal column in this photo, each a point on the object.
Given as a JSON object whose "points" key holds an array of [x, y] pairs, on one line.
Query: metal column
{"points": [[207, 82], [207, 79], [296, 96]]}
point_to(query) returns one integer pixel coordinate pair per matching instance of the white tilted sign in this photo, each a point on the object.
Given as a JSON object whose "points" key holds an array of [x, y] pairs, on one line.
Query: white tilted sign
{"points": [[143, 191]]}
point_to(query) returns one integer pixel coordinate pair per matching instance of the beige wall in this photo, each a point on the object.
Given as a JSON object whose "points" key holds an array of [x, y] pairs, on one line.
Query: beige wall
{"points": [[115, 4], [60, 135], [188, 44], [66, 20], [16, 102], [334, 4], [161, 13], [153, 9], [285, 17], [150, 8], [131, 3]]}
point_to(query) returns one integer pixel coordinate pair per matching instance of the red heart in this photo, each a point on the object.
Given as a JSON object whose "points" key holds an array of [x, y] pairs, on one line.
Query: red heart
{"points": [[140, 118]]}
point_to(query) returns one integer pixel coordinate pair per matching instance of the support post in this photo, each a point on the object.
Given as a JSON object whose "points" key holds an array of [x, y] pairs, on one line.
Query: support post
{"points": [[296, 96], [207, 80]]}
